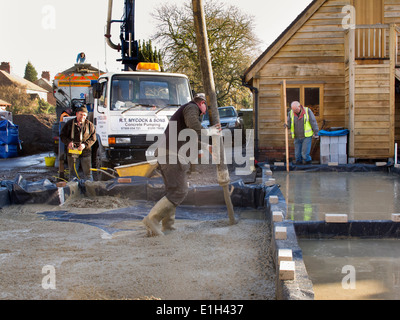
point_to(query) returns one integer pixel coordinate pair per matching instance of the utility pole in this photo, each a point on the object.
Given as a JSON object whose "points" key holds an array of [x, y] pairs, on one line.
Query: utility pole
{"points": [[209, 87]]}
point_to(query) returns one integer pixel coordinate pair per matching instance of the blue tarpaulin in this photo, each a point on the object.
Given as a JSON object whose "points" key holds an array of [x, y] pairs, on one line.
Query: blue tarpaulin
{"points": [[336, 133], [9, 139]]}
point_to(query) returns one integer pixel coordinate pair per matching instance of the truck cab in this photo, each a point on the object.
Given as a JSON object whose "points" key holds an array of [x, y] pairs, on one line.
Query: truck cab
{"points": [[130, 108]]}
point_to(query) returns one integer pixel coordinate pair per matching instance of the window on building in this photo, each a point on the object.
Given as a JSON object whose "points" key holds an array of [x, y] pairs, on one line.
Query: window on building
{"points": [[310, 96]]}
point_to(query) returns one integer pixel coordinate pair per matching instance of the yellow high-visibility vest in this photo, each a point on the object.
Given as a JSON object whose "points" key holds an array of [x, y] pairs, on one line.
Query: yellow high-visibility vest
{"points": [[308, 131]]}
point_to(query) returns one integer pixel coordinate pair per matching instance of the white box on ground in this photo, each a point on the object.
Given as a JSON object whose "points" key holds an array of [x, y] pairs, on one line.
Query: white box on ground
{"points": [[280, 233], [286, 270], [285, 255], [336, 218], [270, 182], [277, 216], [273, 199], [396, 217]]}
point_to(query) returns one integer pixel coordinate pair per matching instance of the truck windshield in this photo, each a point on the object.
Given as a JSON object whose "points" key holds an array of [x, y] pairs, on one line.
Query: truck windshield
{"points": [[141, 92]]}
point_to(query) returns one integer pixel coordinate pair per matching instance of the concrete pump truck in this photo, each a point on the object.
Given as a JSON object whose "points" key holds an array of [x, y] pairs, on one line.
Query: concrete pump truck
{"points": [[135, 103]]}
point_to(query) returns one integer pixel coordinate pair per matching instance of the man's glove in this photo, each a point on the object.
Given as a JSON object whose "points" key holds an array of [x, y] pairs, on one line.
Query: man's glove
{"points": [[315, 136], [215, 130], [285, 125]]}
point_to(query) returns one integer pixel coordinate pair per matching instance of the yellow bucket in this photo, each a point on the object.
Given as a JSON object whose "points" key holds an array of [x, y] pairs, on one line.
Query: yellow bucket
{"points": [[141, 169], [49, 161]]}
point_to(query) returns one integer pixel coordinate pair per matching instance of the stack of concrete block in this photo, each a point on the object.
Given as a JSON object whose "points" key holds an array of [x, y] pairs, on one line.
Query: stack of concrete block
{"points": [[333, 149]]}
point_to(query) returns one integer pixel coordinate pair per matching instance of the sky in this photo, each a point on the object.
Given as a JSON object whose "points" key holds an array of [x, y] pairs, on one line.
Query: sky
{"points": [[51, 33]]}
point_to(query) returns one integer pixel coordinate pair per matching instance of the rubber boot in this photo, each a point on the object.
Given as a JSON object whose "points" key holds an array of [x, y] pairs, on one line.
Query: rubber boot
{"points": [[158, 213], [168, 221]]}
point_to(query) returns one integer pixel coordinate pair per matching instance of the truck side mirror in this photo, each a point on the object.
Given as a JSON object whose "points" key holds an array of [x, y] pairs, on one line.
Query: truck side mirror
{"points": [[97, 90]]}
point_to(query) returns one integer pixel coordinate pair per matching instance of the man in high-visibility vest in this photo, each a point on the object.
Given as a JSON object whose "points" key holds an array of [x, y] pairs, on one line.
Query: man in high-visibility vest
{"points": [[303, 127]]}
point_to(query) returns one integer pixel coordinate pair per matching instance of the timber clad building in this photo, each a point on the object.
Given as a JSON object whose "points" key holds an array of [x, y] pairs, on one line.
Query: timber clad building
{"points": [[346, 70]]}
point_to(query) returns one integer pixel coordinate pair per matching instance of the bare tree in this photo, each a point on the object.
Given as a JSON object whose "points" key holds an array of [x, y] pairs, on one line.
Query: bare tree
{"points": [[233, 46]]}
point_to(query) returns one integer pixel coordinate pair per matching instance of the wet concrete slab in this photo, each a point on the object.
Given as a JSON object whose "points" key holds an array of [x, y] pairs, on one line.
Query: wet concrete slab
{"points": [[353, 269], [354, 260], [361, 195]]}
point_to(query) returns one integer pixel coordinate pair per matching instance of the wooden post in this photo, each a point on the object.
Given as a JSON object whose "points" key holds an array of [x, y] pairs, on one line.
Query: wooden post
{"points": [[286, 130], [393, 56], [209, 87]]}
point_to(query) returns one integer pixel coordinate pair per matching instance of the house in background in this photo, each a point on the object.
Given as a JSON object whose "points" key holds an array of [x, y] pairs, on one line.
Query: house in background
{"points": [[4, 114], [7, 78], [340, 58], [4, 105], [44, 82]]}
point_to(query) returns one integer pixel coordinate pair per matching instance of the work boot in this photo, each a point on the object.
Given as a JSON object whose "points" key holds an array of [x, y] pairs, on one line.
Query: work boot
{"points": [[168, 221], [158, 213]]}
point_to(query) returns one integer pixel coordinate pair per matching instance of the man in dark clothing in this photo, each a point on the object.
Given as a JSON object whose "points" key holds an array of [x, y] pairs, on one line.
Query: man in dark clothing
{"points": [[174, 169], [79, 134]]}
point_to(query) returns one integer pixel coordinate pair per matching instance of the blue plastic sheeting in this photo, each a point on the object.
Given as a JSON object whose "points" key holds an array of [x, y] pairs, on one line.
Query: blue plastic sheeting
{"points": [[337, 133], [363, 229], [107, 220], [27, 192]]}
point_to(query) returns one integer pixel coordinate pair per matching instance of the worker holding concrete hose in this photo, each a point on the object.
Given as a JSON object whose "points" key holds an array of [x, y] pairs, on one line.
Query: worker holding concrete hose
{"points": [[79, 134], [173, 170], [303, 127]]}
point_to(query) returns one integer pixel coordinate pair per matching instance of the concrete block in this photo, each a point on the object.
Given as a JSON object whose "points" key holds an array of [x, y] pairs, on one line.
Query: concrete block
{"points": [[396, 217], [280, 233], [324, 159], [334, 140], [324, 149], [334, 158], [273, 199], [325, 140], [342, 149], [286, 270], [334, 149], [267, 172], [333, 163], [277, 216], [279, 164], [270, 182], [380, 164], [342, 159], [266, 166], [285, 255], [336, 218]]}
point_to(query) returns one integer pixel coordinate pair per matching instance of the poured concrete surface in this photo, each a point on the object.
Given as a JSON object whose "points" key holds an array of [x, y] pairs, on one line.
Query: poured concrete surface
{"points": [[112, 258], [366, 196], [361, 195], [375, 263]]}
